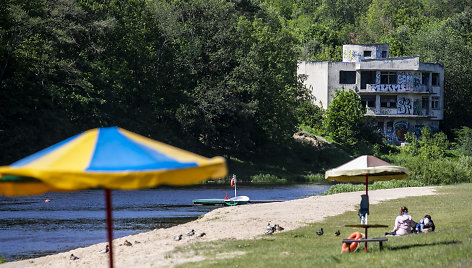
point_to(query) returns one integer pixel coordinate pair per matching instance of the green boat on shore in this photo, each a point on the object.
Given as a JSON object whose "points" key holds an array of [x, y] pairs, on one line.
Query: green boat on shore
{"points": [[237, 200]]}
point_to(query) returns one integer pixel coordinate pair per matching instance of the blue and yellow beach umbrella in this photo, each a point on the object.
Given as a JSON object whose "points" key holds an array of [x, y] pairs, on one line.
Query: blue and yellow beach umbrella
{"points": [[111, 158]]}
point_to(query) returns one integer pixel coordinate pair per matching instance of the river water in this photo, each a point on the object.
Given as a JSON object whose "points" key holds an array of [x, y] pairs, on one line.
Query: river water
{"points": [[31, 227]]}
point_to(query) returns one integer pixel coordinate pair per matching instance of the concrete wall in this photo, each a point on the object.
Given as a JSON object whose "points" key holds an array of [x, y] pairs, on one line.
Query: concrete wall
{"points": [[355, 53], [391, 64], [333, 78], [317, 80]]}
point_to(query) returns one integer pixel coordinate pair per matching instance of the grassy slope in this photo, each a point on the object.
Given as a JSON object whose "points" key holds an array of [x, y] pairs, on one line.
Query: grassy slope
{"points": [[296, 161], [449, 246]]}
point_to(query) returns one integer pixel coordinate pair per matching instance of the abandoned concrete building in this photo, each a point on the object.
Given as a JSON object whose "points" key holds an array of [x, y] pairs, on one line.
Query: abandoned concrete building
{"points": [[400, 94]]}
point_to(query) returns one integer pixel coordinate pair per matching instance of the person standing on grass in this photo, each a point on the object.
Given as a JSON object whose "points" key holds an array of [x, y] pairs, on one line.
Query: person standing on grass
{"points": [[403, 223]]}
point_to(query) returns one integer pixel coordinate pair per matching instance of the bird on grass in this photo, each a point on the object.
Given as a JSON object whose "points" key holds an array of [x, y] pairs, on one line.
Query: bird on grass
{"points": [[320, 232], [105, 250], [200, 234], [278, 227], [127, 243], [268, 227], [177, 238], [270, 231], [73, 257], [190, 233], [337, 233]]}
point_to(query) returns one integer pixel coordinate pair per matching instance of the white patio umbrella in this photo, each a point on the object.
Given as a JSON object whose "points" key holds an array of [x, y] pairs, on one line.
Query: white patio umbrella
{"points": [[366, 168]]}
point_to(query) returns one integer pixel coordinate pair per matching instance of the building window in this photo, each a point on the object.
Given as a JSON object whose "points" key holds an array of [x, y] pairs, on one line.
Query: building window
{"points": [[368, 101], [347, 77], [425, 103], [367, 77], [367, 53], [435, 103], [389, 127], [384, 54], [388, 78], [388, 101], [425, 79], [435, 80]]}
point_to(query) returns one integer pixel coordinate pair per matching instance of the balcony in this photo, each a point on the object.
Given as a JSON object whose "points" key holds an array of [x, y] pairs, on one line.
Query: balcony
{"points": [[403, 111], [396, 88]]}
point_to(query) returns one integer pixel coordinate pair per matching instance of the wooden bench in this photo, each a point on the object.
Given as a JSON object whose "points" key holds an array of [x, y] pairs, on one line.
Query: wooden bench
{"points": [[379, 240]]}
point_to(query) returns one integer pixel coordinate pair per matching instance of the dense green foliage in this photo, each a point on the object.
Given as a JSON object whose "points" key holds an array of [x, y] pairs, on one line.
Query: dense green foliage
{"points": [[218, 76], [218, 73], [344, 118]]}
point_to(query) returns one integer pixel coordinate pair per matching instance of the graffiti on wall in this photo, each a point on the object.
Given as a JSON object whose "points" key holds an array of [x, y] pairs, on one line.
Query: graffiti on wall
{"points": [[406, 81], [350, 55], [401, 128], [417, 107], [404, 106], [387, 87]]}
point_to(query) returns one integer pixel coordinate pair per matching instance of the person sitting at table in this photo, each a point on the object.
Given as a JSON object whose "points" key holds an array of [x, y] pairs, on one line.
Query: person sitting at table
{"points": [[403, 223]]}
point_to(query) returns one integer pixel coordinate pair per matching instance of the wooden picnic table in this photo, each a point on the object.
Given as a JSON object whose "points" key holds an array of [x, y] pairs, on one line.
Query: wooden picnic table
{"points": [[366, 227]]}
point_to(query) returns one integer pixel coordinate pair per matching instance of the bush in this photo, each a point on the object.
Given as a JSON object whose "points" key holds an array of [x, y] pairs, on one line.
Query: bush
{"points": [[348, 187], [436, 171], [314, 178], [464, 140], [266, 179]]}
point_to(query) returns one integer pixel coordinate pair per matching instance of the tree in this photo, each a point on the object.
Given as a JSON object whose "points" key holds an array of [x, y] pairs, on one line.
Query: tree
{"points": [[344, 116], [449, 42], [464, 140]]}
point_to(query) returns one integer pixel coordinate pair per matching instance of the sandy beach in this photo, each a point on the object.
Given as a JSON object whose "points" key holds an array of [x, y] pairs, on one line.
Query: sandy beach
{"points": [[237, 222]]}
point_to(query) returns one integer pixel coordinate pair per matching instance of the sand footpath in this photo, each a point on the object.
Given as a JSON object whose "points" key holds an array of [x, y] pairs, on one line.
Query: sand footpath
{"points": [[237, 222]]}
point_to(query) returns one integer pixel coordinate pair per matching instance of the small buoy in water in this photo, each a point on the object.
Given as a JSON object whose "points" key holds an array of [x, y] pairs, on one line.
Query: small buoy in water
{"points": [[226, 197], [47, 200]]}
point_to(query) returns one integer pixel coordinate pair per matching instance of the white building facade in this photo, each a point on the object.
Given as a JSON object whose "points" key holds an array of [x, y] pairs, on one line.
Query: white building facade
{"points": [[400, 94]]}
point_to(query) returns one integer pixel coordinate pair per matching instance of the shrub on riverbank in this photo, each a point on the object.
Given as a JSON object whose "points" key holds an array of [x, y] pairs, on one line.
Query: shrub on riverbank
{"points": [[349, 187], [448, 170]]}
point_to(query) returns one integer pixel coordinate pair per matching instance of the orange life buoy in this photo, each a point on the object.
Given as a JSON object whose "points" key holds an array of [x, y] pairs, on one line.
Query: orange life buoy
{"points": [[353, 246], [232, 182]]}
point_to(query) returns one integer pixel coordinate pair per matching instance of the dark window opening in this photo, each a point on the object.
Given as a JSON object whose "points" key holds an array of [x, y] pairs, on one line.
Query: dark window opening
{"points": [[388, 78], [425, 79], [435, 79], [347, 77], [367, 77], [389, 127], [367, 53], [435, 103], [368, 101], [384, 54], [425, 103], [388, 101]]}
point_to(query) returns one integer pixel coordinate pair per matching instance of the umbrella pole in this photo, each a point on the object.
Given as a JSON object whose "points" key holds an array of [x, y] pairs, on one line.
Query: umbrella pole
{"points": [[109, 225], [367, 194]]}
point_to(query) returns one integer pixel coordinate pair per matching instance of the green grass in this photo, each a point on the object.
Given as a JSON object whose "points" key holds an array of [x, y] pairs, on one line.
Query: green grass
{"points": [[449, 246]]}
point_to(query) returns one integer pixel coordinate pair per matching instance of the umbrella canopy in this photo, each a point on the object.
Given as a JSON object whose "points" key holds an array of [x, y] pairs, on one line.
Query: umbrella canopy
{"points": [[366, 167], [111, 158]]}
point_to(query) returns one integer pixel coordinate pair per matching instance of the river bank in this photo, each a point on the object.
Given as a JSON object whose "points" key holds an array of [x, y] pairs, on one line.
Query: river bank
{"points": [[150, 249]]}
